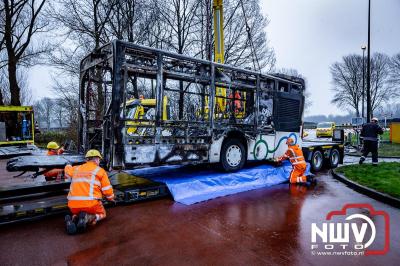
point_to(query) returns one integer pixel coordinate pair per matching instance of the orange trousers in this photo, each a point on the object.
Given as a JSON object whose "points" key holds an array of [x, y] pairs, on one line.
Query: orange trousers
{"points": [[297, 174], [97, 210]]}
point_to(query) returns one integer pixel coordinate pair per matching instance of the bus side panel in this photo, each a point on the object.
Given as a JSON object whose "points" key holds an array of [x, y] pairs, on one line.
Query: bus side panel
{"points": [[215, 150], [260, 148], [280, 146]]}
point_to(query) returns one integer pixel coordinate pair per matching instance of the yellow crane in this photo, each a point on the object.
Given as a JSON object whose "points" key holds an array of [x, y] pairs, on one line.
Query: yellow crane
{"points": [[219, 49], [219, 57]]}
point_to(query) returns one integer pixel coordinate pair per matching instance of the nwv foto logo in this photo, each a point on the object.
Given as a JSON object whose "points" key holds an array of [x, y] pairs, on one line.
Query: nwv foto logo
{"points": [[338, 236]]}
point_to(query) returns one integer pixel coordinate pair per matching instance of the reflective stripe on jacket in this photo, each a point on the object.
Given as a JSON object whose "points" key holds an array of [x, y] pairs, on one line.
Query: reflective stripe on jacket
{"points": [[89, 183], [295, 155]]}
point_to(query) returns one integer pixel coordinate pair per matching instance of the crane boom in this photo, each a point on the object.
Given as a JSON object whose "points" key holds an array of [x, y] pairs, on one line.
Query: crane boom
{"points": [[219, 50]]}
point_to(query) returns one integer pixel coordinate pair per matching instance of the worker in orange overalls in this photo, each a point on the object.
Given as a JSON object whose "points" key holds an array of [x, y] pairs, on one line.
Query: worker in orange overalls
{"points": [[54, 149], [295, 155], [89, 184], [237, 103]]}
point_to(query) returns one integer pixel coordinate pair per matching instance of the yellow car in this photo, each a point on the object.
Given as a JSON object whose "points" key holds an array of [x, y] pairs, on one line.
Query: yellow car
{"points": [[325, 129]]}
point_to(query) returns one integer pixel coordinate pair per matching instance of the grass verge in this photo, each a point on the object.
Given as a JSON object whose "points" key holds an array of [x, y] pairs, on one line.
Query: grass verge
{"points": [[384, 178], [387, 149]]}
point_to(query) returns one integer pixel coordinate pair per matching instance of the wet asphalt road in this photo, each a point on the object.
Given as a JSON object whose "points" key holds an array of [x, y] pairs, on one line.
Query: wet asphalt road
{"points": [[268, 226]]}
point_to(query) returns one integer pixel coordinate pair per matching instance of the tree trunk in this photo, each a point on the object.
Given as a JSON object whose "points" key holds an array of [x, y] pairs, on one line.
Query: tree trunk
{"points": [[15, 90], [1, 98]]}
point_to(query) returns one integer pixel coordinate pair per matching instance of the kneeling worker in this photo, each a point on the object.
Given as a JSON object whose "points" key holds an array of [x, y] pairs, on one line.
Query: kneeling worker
{"points": [[89, 183], [54, 149], [295, 155]]}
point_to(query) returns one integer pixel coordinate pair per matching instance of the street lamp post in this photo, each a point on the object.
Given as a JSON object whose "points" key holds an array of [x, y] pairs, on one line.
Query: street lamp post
{"points": [[363, 82], [369, 65]]}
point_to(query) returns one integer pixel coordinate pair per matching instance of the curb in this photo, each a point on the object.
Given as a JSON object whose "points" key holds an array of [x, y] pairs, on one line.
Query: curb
{"points": [[383, 157], [392, 201]]}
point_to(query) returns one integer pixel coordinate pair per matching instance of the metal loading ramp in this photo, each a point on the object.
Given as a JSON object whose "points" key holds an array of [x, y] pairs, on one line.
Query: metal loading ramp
{"points": [[189, 187]]}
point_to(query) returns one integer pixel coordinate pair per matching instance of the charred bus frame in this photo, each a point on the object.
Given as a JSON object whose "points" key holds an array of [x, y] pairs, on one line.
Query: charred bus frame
{"points": [[201, 120]]}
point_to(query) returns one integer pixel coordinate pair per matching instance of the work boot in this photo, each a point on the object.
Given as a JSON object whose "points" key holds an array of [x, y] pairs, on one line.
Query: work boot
{"points": [[70, 226], [83, 220], [362, 159], [311, 179]]}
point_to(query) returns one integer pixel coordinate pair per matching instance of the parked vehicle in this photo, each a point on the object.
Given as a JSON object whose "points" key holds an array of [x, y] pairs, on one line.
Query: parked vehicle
{"points": [[325, 129], [16, 125]]}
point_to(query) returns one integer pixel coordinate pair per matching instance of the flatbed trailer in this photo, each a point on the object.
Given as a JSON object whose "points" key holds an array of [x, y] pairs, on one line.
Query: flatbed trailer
{"points": [[21, 203], [323, 153]]}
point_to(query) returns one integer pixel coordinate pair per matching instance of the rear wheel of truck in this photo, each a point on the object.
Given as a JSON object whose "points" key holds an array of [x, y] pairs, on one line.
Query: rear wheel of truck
{"points": [[317, 161], [233, 155], [334, 158]]}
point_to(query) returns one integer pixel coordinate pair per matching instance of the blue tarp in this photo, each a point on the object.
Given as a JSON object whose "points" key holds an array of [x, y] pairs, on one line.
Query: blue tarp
{"points": [[189, 187]]}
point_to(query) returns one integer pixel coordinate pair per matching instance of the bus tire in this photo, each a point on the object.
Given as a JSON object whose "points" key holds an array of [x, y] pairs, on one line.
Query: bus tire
{"points": [[233, 155], [334, 158], [317, 161]]}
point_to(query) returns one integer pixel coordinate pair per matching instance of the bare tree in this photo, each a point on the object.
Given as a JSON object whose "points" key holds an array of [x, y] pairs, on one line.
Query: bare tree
{"points": [[381, 90], [44, 111], [394, 75], [84, 23], [4, 92], [25, 93], [347, 80], [67, 92], [20, 22], [245, 38]]}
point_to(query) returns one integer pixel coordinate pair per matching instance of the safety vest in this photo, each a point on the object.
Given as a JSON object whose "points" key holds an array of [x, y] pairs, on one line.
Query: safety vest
{"points": [[89, 183], [295, 155], [58, 152]]}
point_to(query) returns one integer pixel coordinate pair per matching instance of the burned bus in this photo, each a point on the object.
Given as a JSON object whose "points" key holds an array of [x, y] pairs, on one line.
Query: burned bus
{"points": [[147, 107]]}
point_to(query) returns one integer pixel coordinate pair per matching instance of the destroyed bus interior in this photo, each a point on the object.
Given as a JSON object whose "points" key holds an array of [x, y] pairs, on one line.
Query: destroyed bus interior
{"points": [[16, 125], [142, 106]]}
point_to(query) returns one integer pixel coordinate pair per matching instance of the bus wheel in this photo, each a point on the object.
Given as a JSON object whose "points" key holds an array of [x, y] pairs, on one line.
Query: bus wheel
{"points": [[334, 158], [233, 155], [317, 161]]}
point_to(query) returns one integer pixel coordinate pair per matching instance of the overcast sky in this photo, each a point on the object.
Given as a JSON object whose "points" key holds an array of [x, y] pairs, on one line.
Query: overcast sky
{"points": [[310, 35]]}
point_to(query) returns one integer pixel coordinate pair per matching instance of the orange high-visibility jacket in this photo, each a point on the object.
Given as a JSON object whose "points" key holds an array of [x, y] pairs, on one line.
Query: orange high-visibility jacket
{"points": [[58, 152], [295, 155], [89, 183]]}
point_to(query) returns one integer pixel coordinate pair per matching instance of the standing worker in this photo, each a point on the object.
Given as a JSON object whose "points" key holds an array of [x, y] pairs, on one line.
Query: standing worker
{"points": [[370, 132], [89, 183], [295, 155], [54, 149]]}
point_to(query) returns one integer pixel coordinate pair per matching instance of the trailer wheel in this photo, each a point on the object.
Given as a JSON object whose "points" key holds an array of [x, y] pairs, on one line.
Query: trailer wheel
{"points": [[233, 155], [334, 158], [317, 161]]}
